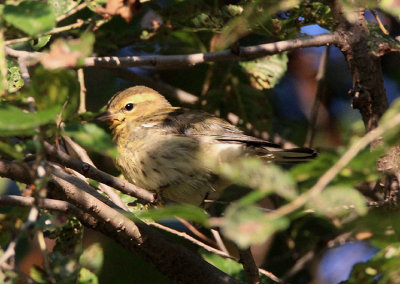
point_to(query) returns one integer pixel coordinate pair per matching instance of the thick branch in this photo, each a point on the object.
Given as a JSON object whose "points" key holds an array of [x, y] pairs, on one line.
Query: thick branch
{"points": [[368, 91], [20, 172], [173, 260], [91, 172]]}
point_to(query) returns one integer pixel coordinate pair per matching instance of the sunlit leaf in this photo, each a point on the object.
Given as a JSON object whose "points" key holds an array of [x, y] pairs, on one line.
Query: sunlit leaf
{"points": [[189, 212], [15, 121], [87, 277], [247, 225], [254, 173], [31, 17], [337, 201], [390, 6], [266, 72], [14, 78]]}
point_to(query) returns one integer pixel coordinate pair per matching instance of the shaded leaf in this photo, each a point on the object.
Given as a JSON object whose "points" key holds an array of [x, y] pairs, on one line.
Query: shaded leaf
{"points": [[381, 43], [227, 265], [31, 17], [247, 225], [266, 72], [92, 257], [337, 201], [14, 78], [92, 138]]}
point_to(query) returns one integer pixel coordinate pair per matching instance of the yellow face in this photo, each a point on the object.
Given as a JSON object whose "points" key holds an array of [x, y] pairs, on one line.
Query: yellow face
{"points": [[132, 103]]}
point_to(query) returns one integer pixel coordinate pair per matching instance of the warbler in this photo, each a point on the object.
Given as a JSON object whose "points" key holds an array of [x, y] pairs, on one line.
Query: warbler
{"points": [[173, 151]]}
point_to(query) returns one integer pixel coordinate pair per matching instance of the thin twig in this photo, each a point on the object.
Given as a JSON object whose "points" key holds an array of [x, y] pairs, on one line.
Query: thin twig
{"points": [[91, 172], [218, 240], [29, 223], [178, 61], [329, 175], [82, 92], [378, 20], [164, 88], [192, 240], [320, 78], [175, 61], [84, 157], [72, 11], [194, 230], [52, 32]]}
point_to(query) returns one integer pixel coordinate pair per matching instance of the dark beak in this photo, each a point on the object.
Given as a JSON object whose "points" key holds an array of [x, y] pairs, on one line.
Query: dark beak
{"points": [[105, 117]]}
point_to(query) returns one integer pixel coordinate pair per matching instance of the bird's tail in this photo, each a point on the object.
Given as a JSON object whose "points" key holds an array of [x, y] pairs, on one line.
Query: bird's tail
{"points": [[294, 155]]}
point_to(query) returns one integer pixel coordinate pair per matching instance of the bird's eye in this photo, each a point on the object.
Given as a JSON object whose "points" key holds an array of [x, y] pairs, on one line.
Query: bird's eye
{"points": [[129, 106]]}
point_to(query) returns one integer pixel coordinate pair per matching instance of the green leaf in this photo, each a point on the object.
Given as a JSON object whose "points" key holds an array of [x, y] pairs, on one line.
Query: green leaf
{"points": [[186, 211], [15, 121], [227, 265], [37, 275], [266, 72], [93, 257], [87, 277], [255, 173], [40, 42], [92, 138], [55, 88], [337, 201], [14, 78], [31, 17], [247, 225], [381, 43]]}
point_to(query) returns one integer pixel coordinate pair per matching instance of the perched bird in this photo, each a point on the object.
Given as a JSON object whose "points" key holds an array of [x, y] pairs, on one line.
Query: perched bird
{"points": [[173, 151]]}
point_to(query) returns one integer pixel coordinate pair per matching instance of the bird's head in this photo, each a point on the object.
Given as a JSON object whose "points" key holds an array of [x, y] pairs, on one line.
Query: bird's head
{"points": [[132, 104]]}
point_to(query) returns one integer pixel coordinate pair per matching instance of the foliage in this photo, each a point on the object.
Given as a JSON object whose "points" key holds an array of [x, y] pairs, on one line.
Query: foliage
{"points": [[49, 105]]}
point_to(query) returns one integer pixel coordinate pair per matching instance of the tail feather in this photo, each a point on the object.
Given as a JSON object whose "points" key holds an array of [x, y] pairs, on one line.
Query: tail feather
{"points": [[294, 155]]}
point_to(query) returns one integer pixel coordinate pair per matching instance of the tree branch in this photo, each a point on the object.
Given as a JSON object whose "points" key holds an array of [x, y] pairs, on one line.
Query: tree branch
{"points": [[175, 61], [368, 91], [173, 260], [89, 171]]}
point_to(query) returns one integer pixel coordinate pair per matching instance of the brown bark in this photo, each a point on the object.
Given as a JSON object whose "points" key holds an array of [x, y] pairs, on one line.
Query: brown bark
{"points": [[368, 91]]}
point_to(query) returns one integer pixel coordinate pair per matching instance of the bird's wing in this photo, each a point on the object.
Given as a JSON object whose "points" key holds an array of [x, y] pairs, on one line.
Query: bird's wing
{"points": [[202, 125]]}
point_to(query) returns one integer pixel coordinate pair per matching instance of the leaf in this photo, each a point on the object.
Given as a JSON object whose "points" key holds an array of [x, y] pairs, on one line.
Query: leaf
{"points": [[247, 225], [381, 43], [3, 64], [254, 173], [31, 17], [337, 201], [92, 137], [266, 72], [15, 121], [87, 277], [93, 257], [186, 211], [55, 88], [14, 78], [40, 42], [68, 53], [390, 6], [227, 265]]}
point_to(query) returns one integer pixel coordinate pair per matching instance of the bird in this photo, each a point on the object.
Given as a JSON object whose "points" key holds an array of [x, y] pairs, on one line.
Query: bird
{"points": [[173, 151]]}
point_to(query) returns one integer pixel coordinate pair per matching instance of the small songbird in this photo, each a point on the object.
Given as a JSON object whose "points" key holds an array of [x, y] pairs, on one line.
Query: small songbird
{"points": [[173, 151]]}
